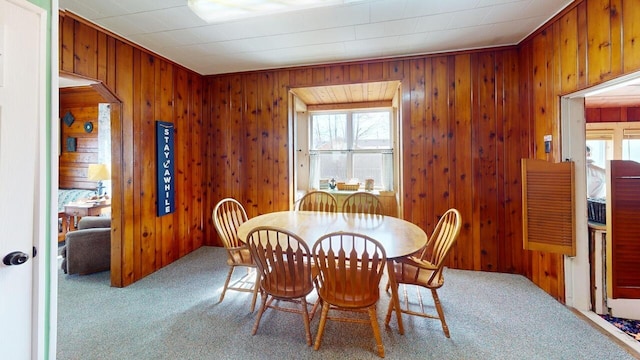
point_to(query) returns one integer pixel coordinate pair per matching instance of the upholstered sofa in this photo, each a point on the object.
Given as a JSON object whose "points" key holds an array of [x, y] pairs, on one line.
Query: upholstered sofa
{"points": [[66, 196], [88, 249]]}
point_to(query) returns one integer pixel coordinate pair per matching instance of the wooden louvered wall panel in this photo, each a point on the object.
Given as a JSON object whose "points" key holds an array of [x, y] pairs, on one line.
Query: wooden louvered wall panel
{"points": [[548, 206]]}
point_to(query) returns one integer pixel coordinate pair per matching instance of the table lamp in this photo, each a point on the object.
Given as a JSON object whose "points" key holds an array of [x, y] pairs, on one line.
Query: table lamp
{"points": [[99, 173]]}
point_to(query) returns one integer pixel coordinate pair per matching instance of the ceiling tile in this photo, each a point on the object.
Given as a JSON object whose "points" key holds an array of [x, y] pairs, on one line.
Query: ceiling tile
{"points": [[386, 28]]}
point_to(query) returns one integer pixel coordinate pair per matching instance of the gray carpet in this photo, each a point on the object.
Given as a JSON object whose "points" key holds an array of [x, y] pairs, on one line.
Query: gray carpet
{"points": [[174, 314]]}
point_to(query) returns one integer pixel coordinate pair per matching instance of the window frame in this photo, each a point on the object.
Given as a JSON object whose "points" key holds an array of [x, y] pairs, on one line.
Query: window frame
{"points": [[350, 150], [614, 131]]}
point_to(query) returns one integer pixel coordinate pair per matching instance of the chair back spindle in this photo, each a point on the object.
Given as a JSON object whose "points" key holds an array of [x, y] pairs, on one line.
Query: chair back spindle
{"points": [[318, 201]]}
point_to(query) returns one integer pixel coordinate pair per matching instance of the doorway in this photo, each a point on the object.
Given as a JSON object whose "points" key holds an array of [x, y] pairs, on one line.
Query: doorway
{"points": [[93, 130], [578, 268]]}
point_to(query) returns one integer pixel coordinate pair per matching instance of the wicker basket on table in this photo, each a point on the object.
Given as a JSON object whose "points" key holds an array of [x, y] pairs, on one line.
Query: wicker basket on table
{"points": [[347, 187]]}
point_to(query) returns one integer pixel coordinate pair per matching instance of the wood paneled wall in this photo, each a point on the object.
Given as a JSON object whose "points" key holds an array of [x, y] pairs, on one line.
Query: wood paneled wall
{"points": [[149, 88], [462, 141], [467, 120], [589, 43], [82, 103], [612, 114]]}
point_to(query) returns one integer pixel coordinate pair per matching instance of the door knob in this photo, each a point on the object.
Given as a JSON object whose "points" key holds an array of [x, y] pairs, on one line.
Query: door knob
{"points": [[15, 258]]}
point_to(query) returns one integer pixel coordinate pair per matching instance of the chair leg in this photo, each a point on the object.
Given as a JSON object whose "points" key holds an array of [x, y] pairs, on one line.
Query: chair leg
{"points": [[376, 329], [323, 322], [305, 319], [436, 301], [256, 287], [390, 310], [314, 309], [260, 312], [226, 283]]}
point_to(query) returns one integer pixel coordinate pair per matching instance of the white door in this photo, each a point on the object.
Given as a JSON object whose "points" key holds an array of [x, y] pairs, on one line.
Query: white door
{"points": [[22, 176]]}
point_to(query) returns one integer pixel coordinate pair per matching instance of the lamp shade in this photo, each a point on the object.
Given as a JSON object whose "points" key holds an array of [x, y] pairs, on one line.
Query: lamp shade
{"points": [[98, 172]]}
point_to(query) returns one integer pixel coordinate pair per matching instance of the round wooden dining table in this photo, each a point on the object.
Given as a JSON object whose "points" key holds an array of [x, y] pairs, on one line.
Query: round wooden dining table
{"points": [[398, 237]]}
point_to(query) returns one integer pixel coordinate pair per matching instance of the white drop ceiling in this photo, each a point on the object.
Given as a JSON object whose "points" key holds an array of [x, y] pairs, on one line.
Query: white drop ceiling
{"points": [[370, 29]]}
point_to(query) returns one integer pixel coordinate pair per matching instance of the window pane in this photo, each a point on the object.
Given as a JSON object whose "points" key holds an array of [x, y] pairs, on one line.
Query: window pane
{"points": [[597, 155], [333, 165], [329, 132], [599, 151], [631, 149], [372, 130], [368, 166], [631, 145]]}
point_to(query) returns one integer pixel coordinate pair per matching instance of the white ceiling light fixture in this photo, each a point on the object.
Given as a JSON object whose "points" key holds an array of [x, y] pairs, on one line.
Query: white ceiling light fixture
{"points": [[213, 11]]}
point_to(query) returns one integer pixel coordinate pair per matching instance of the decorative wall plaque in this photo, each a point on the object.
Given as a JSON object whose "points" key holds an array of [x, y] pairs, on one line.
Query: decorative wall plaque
{"points": [[68, 118], [88, 126], [71, 144], [164, 165]]}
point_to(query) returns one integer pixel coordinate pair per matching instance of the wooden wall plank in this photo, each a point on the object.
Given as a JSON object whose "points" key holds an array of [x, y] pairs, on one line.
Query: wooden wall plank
{"points": [[337, 74], [208, 230], [515, 134], [615, 7], [356, 73], [583, 42], [136, 171], [462, 172], [166, 243], [631, 36], [319, 75], [110, 81], [67, 41], [265, 133], [440, 161], [117, 200], [250, 143], [181, 122], [416, 139], [196, 148], [102, 69], [503, 245], [124, 90], [599, 40], [147, 167], [569, 50], [220, 125], [485, 172], [85, 51], [282, 141], [374, 71]]}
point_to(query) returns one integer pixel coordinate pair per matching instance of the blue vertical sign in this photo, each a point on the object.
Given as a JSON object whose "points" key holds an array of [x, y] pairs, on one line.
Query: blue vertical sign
{"points": [[164, 165]]}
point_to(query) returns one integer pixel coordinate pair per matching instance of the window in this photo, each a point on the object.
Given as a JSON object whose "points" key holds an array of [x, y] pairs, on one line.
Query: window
{"points": [[609, 141], [614, 141], [349, 145], [600, 147], [631, 145]]}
